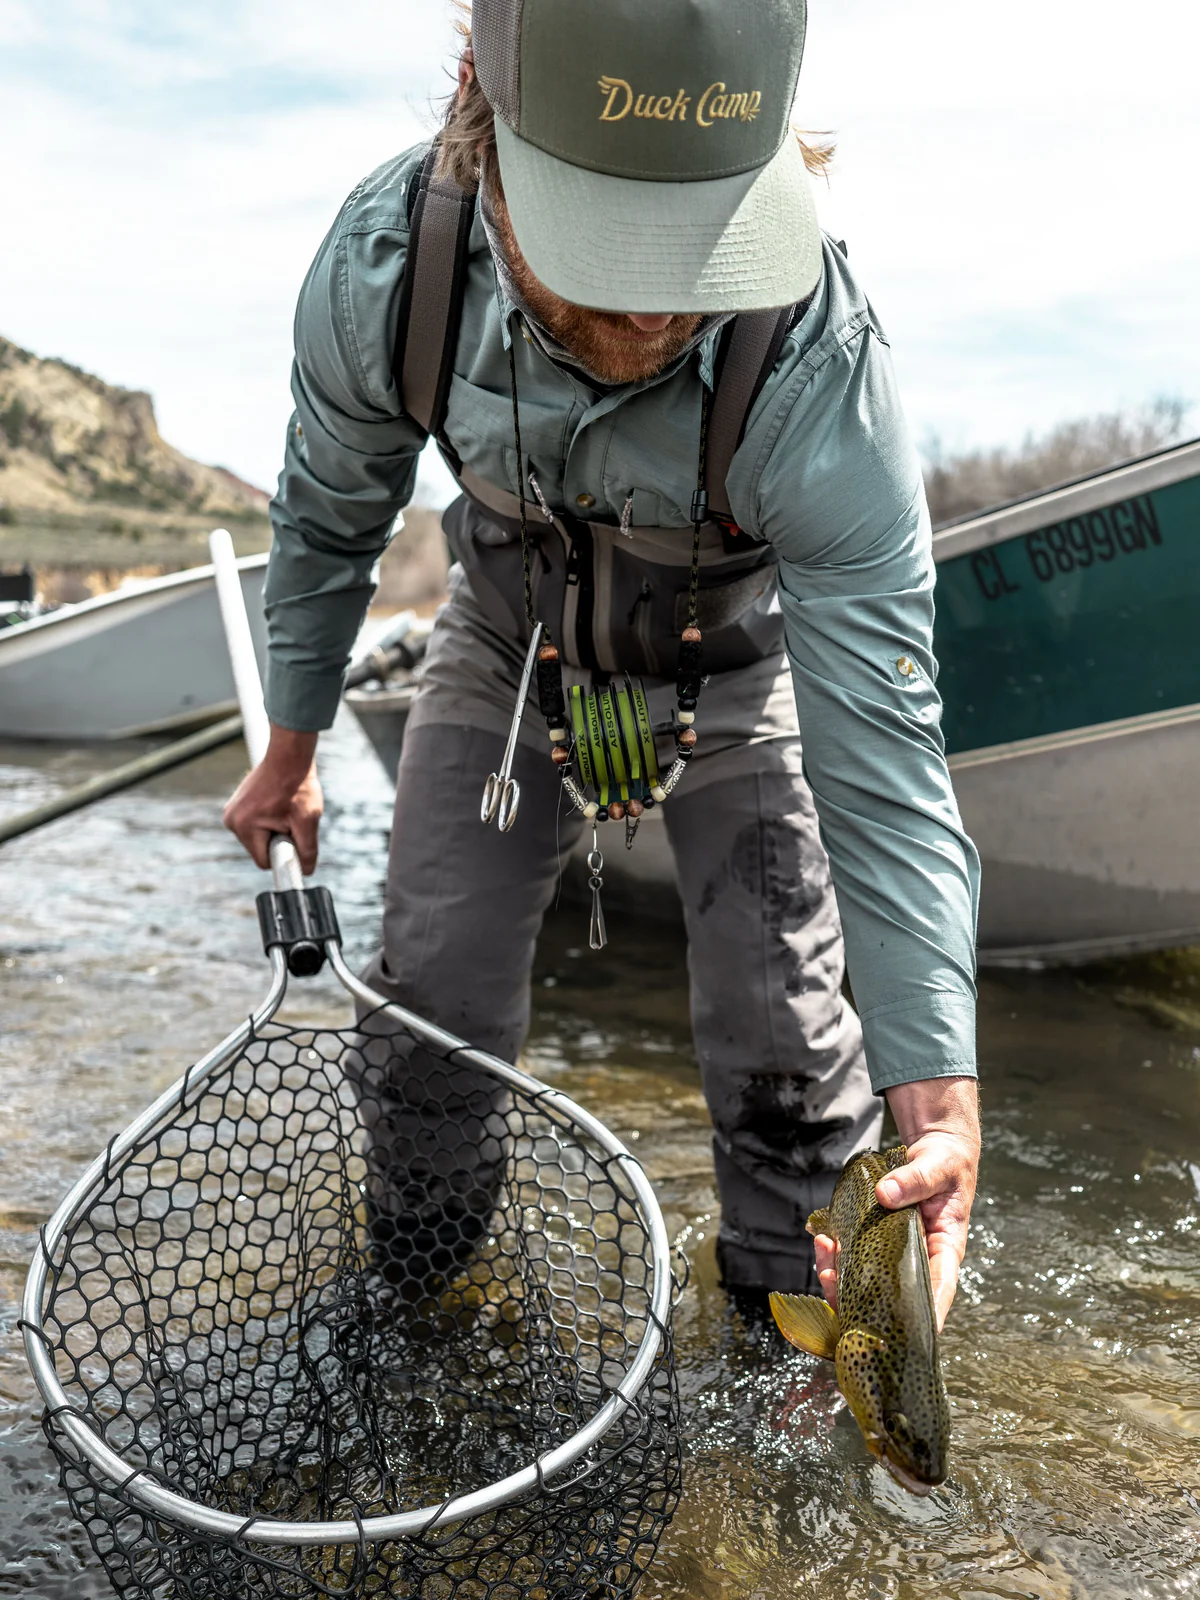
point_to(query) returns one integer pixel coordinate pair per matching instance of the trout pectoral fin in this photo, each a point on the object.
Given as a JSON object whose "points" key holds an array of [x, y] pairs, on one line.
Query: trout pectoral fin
{"points": [[808, 1323], [820, 1222]]}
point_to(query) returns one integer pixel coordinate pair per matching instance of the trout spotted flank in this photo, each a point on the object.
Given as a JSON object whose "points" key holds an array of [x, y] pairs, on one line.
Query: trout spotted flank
{"points": [[883, 1336]]}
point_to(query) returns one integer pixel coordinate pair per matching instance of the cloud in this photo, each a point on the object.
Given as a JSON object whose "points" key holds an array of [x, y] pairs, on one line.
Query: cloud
{"points": [[1013, 186], [218, 58], [176, 174]]}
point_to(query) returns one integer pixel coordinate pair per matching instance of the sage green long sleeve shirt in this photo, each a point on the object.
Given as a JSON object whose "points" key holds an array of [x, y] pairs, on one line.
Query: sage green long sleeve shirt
{"points": [[826, 473]]}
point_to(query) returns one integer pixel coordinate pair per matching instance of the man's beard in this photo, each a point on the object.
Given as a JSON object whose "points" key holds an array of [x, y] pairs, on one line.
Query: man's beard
{"points": [[603, 342]]}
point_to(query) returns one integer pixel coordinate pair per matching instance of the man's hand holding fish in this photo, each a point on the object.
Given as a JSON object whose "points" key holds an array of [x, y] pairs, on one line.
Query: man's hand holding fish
{"points": [[938, 1120]]}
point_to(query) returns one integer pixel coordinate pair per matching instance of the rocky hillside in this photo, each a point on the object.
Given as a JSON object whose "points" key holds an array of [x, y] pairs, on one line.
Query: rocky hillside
{"points": [[90, 493], [70, 443]]}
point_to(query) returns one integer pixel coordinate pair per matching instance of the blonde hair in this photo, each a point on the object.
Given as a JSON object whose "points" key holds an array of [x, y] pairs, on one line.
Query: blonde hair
{"points": [[467, 143]]}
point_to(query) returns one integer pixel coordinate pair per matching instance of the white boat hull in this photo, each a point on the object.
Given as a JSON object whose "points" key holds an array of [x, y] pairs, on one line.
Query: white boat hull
{"points": [[1089, 840], [147, 659]]}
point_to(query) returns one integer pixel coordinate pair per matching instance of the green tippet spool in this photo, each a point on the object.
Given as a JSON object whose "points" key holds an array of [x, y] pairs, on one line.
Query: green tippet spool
{"points": [[614, 743], [579, 728], [595, 737], [644, 732]]}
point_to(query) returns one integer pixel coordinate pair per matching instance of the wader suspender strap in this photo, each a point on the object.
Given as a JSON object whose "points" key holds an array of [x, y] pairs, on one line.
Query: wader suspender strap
{"points": [[751, 353], [435, 280], [431, 311]]}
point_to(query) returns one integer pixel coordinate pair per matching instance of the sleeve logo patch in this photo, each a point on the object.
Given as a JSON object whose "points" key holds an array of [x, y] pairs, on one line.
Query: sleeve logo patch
{"points": [[716, 104]]}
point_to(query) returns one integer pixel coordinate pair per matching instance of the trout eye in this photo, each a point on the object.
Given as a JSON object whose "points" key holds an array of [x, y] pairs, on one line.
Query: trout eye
{"points": [[898, 1421]]}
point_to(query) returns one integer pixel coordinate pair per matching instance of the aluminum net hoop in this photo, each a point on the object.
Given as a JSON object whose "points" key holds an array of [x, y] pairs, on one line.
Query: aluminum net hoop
{"points": [[240, 1309]]}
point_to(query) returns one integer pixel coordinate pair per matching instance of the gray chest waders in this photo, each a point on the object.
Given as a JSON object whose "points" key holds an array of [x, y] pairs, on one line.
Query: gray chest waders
{"points": [[601, 741]]}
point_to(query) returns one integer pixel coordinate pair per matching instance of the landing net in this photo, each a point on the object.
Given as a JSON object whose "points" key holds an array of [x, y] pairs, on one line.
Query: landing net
{"points": [[323, 1324]]}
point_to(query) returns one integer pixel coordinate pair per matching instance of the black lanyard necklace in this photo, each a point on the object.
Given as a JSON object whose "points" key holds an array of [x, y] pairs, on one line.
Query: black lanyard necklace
{"points": [[603, 746]]}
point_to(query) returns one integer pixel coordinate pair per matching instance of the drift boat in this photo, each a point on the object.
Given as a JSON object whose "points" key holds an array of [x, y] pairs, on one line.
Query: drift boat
{"points": [[148, 658], [1070, 672]]}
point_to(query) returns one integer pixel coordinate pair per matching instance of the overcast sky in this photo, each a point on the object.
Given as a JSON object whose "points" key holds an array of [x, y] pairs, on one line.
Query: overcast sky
{"points": [[1016, 185]]}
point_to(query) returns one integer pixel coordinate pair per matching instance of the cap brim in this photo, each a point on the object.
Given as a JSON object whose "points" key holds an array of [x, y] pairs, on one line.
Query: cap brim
{"points": [[628, 244]]}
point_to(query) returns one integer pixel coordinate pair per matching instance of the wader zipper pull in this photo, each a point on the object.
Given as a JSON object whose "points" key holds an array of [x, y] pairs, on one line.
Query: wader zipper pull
{"points": [[646, 594], [573, 563]]}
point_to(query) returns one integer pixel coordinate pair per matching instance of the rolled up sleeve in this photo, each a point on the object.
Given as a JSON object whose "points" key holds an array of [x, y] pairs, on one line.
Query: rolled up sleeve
{"points": [[351, 455], [830, 478]]}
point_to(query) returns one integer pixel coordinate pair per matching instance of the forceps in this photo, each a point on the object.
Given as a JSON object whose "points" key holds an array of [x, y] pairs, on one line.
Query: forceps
{"points": [[502, 792]]}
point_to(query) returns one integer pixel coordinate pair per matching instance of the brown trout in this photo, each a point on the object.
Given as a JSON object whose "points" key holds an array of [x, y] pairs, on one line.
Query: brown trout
{"points": [[883, 1335]]}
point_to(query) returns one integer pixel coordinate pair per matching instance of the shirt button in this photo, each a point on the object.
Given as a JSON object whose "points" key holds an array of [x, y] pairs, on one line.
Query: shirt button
{"points": [[587, 501]]}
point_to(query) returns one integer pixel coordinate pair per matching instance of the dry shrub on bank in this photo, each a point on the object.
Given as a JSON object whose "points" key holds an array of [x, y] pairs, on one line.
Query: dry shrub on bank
{"points": [[959, 485]]}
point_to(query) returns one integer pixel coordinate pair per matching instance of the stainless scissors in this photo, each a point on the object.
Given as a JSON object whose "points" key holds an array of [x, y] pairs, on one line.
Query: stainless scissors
{"points": [[502, 792]]}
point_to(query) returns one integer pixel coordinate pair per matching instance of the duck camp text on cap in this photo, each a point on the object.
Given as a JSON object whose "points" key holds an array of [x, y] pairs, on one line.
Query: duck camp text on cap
{"points": [[714, 105]]}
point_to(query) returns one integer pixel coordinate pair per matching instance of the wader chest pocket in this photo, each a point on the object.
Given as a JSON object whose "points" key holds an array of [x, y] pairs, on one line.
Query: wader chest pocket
{"points": [[720, 605]]}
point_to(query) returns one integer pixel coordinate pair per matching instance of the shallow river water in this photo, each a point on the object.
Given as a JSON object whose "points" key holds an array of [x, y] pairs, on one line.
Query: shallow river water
{"points": [[128, 945]]}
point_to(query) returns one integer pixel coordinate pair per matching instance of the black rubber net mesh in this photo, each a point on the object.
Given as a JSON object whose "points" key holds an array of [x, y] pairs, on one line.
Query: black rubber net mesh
{"points": [[349, 1279]]}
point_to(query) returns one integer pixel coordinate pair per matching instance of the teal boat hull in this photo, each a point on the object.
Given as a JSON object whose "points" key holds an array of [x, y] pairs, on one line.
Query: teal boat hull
{"points": [[1068, 640]]}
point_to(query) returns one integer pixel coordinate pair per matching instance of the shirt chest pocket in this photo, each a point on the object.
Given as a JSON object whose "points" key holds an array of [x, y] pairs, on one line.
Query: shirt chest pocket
{"points": [[479, 427]]}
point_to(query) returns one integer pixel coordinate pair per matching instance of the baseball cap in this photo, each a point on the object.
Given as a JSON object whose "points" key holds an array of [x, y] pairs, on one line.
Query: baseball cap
{"points": [[646, 151]]}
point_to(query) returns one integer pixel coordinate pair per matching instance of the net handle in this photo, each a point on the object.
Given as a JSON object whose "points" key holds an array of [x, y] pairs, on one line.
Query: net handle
{"points": [[285, 863]]}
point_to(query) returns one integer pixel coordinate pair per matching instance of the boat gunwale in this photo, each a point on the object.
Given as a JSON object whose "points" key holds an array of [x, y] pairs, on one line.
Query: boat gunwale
{"points": [[1044, 507], [137, 590], [1068, 738]]}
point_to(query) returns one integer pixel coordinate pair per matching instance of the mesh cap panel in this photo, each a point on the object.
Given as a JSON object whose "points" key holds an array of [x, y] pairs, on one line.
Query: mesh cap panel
{"points": [[495, 39]]}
